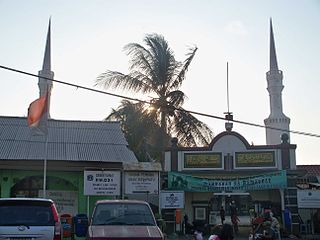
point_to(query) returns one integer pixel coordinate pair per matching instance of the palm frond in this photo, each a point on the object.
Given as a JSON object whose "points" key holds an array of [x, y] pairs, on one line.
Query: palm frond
{"points": [[190, 131], [141, 60], [163, 59], [181, 75], [118, 80], [176, 98]]}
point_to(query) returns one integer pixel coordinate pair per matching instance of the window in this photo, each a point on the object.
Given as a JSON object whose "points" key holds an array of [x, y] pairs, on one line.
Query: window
{"points": [[123, 214], [200, 213]]}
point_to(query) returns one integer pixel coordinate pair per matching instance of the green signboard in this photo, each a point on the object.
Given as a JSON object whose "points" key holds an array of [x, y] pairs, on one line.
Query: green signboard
{"points": [[202, 160], [255, 159], [189, 183]]}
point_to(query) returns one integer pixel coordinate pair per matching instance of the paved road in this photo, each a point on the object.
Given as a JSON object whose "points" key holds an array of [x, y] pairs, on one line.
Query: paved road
{"points": [[244, 235]]}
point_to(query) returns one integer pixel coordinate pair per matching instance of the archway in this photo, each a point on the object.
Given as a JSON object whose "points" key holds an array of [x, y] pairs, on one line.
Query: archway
{"points": [[33, 185], [61, 191]]}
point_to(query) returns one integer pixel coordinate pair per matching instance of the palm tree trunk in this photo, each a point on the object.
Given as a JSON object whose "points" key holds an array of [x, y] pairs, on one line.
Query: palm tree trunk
{"points": [[163, 140]]}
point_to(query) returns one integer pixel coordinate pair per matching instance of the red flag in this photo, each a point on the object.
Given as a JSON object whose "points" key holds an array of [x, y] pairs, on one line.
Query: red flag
{"points": [[36, 111]]}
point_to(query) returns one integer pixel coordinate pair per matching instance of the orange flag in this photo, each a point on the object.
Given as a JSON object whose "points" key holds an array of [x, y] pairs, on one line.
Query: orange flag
{"points": [[36, 111]]}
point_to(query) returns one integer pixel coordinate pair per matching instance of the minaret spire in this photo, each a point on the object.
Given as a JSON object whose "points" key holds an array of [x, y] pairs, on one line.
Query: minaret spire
{"points": [[47, 54], [277, 119], [273, 55], [44, 84]]}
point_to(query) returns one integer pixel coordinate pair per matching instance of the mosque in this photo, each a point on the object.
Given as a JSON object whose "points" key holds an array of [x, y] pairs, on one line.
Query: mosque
{"points": [[196, 181], [255, 178]]}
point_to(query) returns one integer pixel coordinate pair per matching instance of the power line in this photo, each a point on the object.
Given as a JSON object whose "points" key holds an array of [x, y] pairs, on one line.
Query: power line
{"points": [[147, 102]]}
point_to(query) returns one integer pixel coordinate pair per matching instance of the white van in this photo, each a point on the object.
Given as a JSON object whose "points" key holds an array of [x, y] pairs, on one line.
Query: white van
{"points": [[29, 219]]}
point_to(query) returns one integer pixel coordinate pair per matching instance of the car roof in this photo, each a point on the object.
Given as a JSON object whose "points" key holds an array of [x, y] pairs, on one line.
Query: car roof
{"points": [[122, 201], [26, 199]]}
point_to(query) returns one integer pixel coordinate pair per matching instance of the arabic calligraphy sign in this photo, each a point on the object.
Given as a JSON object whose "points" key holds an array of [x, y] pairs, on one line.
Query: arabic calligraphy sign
{"points": [[255, 159], [202, 160]]}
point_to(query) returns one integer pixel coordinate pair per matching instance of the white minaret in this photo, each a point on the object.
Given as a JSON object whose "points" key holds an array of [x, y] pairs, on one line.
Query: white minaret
{"points": [[44, 84], [276, 119]]}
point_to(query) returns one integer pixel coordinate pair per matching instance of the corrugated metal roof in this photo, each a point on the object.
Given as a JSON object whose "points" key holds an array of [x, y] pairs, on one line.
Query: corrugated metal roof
{"points": [[312, 170], [67, 140]]}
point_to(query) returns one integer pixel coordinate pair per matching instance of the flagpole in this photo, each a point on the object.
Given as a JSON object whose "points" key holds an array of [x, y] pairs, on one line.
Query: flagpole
{"points": [[46, 144], [45, 168]]}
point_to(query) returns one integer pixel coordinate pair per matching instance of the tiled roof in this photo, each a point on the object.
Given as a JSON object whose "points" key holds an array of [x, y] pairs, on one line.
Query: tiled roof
{"points": [[312, 170], [67, 140]]}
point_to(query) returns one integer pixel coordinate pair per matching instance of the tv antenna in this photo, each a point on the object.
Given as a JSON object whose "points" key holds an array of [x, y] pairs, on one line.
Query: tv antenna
{"points": [[228, 114]]}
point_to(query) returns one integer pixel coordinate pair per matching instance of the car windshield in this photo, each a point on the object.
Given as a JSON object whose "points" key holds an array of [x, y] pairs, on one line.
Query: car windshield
{"points": [[28, 214], [123, 214]]}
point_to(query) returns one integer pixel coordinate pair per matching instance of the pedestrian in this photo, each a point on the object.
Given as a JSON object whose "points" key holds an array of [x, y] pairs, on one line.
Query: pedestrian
{"points": [[187, 225], [275, 227], [233, 209], [198, 234], [235, 220], [222, 214], [234, 216], [226, 233]]}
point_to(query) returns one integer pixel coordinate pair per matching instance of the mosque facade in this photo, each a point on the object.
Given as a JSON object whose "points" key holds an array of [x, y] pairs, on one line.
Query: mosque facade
{"points": [[229, 170]]}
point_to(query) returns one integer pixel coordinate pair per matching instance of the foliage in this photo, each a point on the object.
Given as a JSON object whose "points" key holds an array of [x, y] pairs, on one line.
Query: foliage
{"points": [[140, 131], [154, 71]]}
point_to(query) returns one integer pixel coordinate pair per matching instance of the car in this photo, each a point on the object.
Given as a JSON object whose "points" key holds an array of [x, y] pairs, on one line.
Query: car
{"points": [[29, 219], [123, 219]]}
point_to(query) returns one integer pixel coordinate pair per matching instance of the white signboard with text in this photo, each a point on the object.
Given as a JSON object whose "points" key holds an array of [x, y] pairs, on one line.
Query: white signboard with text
{"points": [[308, 198], [171, 199], [141, 182], [102, 183]]}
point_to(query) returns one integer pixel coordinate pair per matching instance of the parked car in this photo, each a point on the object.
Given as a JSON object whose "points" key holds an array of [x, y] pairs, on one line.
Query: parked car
{"points": [[28, 219], [123, 219]]}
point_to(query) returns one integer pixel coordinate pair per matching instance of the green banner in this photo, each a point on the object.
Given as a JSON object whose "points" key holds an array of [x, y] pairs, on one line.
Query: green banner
{"points": [[188, 183]]}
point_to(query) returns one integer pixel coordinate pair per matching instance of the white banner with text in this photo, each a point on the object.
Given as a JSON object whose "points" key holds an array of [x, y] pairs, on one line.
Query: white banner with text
{"points": [[171, 199], [141, 182]]}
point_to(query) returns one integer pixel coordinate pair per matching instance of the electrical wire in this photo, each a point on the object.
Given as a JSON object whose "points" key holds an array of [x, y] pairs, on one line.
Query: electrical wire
{"points": [[147, 102]]}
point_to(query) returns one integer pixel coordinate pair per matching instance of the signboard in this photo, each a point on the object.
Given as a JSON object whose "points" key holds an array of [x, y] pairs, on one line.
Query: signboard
{"points": [[66, 201], [189, 183], [202, 160], [147, 182], [255, 159], [171, 199], [102, 183], [308, 198]]}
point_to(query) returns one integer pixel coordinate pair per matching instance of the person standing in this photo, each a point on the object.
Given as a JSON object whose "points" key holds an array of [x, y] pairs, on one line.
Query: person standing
{"points": [[275, 227], [233, 209], [234, 216], [222, 214]]}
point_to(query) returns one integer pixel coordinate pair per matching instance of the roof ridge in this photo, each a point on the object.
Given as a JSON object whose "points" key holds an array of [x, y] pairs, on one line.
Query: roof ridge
{"points": [[65, 120]]}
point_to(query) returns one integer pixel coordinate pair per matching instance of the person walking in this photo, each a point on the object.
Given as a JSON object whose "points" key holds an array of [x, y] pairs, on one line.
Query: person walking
{"points": [[222, 214], [226, 233], [235, 222], [234, 217]]}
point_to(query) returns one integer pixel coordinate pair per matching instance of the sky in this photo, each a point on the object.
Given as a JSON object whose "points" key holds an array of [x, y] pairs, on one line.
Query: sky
{"points": [[88, 37]]}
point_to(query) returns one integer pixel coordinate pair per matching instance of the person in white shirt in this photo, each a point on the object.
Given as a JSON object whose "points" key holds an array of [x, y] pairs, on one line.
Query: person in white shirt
{"points": [[275, 226]]}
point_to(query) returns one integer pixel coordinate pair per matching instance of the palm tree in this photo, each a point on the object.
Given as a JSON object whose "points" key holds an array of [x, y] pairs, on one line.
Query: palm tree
{"points": [[140, 130], [155, 71]]}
